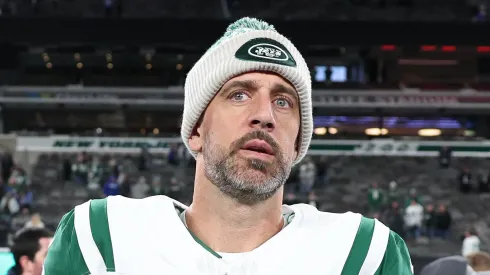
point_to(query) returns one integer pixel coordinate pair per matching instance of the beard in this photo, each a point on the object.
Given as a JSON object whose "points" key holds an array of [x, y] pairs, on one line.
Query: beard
{"points": [[247, 180]]}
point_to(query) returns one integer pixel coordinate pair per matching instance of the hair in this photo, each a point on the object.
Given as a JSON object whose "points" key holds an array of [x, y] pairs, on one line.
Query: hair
{"points": [[26, 243], [479, 261]]}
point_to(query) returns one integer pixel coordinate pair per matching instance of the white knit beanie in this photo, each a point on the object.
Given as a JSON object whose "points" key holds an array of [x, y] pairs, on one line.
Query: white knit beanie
{"points": [[248, 45]]}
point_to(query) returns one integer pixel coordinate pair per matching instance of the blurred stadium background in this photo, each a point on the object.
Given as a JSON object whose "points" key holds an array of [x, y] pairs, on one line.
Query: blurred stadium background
{"points": [[91, 94]]}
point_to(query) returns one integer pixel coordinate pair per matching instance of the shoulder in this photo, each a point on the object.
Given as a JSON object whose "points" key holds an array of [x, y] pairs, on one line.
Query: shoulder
{"points": [[70, 252], [383, 251]]}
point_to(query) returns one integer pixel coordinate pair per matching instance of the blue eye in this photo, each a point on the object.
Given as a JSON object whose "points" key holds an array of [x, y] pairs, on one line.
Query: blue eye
{"points": [[239, 96], [283, 103]]}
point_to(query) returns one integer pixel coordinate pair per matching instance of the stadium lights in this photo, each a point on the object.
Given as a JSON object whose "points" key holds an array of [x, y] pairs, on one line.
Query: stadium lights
{"points": [[376, 131], [320, 131], [429, 132]]}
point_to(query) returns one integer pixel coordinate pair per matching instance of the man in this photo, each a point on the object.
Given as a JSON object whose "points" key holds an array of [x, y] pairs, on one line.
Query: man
{"points": [[247, 120], [29, 250]]}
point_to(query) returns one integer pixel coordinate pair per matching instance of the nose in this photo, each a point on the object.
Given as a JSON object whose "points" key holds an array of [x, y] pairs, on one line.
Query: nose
{"points": [[262, 116]]}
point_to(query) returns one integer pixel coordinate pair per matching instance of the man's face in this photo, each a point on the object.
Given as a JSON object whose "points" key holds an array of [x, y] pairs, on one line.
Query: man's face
{"points": [[248, 134], [35, 267]]}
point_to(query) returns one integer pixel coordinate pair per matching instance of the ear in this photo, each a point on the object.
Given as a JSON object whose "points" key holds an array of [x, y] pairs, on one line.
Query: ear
{"points": [[24, 262], [196, 139]]}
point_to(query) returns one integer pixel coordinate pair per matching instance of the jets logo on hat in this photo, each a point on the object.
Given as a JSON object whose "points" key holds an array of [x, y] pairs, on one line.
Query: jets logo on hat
{"points": [[265, 50]]}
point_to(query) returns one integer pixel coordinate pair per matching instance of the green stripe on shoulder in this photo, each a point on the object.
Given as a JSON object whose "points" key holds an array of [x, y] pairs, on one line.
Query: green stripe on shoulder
{"points": [[99, 225], [396, 259], [360, 247], [64, 256]]}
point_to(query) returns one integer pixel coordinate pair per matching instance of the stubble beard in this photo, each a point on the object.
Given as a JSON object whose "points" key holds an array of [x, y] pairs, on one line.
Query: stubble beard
{"points": [[247, 180]]}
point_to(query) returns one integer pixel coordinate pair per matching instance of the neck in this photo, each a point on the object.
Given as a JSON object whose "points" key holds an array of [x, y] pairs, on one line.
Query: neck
{"points": [[228, 226]]}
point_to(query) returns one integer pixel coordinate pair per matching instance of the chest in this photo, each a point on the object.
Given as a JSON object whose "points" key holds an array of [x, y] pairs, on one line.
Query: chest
{"points": [[303, 253]]}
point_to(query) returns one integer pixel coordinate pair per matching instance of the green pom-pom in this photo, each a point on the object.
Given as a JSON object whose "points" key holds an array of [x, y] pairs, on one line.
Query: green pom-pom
{"points": [[243, 25], [248, 23]]}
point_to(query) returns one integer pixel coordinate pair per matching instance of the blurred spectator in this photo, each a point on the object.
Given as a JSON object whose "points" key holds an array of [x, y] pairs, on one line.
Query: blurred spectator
{"points": [[481, 13], [7, 165], [394, 219], [80, 169], [412, 195], [140, 189], [414, 216], [114, 167], [307, 175], [480, 262], [465, 180], [290, 199], [95, 172], [430, 221], [35, 222], [322, 172], [483, 183], [393, 193], [313, 200], [18, 180], [9, 203], [471, 243], [173, 155], [175, 189], [445, 155], [143, 159], [29, 250], [156, 187], [66, 168], [375, 198], [443, 222], [111, 187], [26, 198]]}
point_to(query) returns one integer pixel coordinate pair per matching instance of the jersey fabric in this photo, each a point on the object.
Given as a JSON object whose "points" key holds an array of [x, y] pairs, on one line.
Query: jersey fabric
{"points": [[122, 236]]}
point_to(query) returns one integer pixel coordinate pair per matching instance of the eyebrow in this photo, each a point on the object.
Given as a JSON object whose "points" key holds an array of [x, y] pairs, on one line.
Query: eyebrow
{"points": [[253, 85]]}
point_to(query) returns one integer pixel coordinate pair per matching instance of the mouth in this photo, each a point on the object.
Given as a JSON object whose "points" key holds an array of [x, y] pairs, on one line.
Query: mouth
{"points": [[259, 147]]}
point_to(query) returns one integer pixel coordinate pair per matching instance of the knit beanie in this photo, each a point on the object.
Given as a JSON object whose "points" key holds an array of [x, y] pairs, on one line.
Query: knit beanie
{"points": [[248, 45]]}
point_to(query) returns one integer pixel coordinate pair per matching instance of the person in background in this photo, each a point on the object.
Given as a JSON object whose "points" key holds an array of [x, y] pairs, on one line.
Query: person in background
{"points": [[80, 169], [445, 157], [26, 198], [35, 222], [412, 195], [414, 215], [375, 198], [442, 222], [29, 249], [471, 243], [140, 189], [393, 193], [307, 175], [394, 219], [111, 187], [430, 221], [156, 187], [465, 181]]}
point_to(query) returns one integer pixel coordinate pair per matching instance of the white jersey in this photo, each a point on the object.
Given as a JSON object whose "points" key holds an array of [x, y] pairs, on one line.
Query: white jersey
{"points": [[471, 245], [118, 235]]}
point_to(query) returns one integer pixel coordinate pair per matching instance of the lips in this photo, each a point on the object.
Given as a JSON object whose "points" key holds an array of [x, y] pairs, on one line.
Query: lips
{"points": [[259, 146]]}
